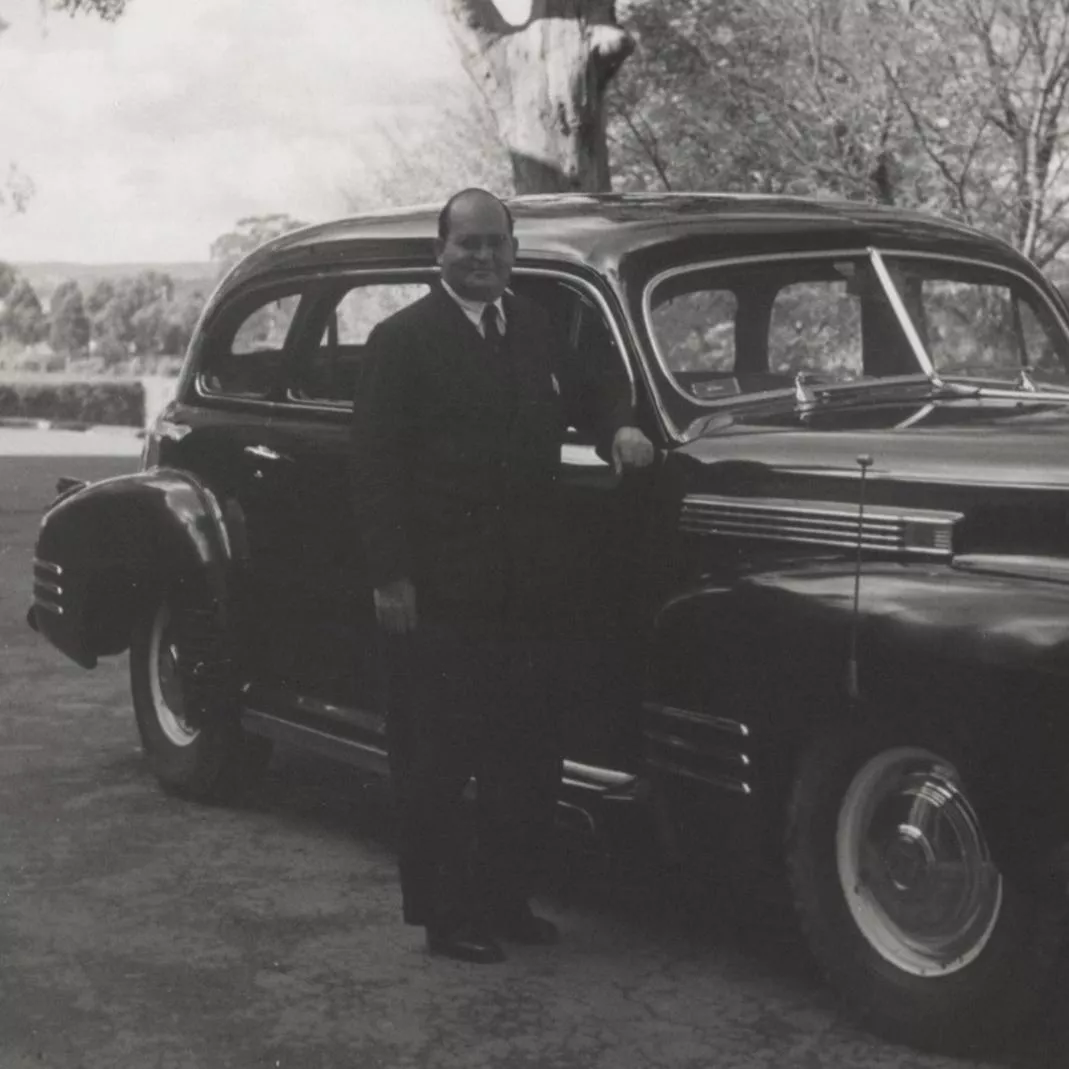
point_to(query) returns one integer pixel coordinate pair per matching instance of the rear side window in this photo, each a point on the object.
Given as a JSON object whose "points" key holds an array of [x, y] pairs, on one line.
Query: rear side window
{"points": [[328, 365], [244, 356]]}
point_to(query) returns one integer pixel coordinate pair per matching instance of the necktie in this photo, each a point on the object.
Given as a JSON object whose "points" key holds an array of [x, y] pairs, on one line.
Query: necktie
{"points": [[491, 331]]}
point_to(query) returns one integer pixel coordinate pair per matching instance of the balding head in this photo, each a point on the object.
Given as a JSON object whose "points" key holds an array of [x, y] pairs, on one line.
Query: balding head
{"points": [[475, 247], [466, 196]]}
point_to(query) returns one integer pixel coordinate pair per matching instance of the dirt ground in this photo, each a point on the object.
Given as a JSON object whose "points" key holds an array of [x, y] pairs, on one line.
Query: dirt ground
{"points": [[138, 931]]}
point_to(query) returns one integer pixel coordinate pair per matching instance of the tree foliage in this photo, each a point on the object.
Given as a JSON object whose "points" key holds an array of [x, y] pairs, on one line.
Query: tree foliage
{"points": [[955, 106], [453, 145], [68, 332], [141, 315], [249, 234], [22, 319], [108, 10]]}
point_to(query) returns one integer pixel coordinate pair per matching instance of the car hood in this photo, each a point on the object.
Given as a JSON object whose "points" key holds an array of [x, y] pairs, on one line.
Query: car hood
{"points": [[970, 441]]}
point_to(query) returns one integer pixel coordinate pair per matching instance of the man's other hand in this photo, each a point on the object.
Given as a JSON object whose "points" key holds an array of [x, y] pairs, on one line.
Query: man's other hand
{"points": [[395, 607], [631, 449]]}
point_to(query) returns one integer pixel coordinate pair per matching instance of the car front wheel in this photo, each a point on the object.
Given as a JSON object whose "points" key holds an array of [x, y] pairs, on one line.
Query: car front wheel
{"points": [[904, 909], [185, 702]]}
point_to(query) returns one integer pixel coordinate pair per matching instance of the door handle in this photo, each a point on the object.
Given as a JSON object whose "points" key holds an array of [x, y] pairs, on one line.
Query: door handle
{"points": [[264, 452], [573, 455]]}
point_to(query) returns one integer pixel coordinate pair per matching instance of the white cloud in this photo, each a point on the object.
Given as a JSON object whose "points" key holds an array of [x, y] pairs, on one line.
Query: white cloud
{"points": [[149, 137]]}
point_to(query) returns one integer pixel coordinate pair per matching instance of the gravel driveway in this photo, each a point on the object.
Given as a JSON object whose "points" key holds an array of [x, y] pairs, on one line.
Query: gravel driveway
{"points": [[142, 932]]}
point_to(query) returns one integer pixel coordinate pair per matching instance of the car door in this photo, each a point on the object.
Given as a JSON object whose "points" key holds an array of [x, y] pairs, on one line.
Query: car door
{"points": [[607, 534], [331, 649], [222, 434]]}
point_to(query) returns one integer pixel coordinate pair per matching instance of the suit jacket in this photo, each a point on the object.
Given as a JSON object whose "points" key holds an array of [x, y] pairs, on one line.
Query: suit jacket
{"points": [[456, 455]]}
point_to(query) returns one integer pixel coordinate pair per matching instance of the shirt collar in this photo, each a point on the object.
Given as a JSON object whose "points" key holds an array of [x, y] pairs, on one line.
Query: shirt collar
{"points": [[474, 309]]}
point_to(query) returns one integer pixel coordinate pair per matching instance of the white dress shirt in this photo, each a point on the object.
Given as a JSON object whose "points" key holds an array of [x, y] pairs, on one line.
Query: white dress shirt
{"points": [[474, 309]]}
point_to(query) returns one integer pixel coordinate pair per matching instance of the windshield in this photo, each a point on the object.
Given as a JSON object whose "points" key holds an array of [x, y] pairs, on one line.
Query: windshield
{"points": [[724, 330], [976, 321]]}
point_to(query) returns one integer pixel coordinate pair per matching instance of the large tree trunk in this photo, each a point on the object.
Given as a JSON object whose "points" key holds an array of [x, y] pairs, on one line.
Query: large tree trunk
{"points": [[545, 83]]}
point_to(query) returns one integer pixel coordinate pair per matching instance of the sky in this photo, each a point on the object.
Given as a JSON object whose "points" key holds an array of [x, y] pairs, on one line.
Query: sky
{"points": [[149, 137]]}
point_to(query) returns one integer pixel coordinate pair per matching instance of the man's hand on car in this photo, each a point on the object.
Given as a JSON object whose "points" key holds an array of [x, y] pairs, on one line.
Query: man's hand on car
{"points": [[395, 607], [631, 449]]}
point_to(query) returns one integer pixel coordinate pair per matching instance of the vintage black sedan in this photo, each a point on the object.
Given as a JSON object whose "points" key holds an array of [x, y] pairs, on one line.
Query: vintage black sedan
{"points": [[831, 625]]}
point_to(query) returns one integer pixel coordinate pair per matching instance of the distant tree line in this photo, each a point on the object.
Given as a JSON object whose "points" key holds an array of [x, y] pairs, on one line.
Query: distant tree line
{"points": [[116, 319]]}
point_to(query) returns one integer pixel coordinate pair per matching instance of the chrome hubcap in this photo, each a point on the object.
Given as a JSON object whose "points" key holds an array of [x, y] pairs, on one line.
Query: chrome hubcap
{"points": [[166, 684], [914, 865]]}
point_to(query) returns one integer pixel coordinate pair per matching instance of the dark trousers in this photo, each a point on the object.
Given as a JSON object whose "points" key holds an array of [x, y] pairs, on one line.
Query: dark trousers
{"points": [[471, 701]]}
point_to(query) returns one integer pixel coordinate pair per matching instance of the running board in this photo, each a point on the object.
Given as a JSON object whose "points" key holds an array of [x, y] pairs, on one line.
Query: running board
{"points": [[336, 747], [588, 784]]}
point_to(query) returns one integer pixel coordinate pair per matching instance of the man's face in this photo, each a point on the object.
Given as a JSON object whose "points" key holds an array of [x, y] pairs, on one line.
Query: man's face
{"points": [[476, 257]]}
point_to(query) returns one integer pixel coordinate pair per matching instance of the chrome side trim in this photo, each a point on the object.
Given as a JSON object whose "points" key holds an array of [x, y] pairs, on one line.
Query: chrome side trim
{"points": [[917, 532], [47, 566], [720, 723], [924, 479], [1053, 569], [593, 778], [718, 753], [347, 750], [727, 783]]}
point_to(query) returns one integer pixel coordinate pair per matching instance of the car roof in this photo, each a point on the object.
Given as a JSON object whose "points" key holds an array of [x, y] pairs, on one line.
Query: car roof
{"points": [[602, 230]]}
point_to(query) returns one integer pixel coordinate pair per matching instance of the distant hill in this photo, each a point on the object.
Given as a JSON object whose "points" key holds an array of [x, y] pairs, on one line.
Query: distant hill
{"points": [[45, 277]]}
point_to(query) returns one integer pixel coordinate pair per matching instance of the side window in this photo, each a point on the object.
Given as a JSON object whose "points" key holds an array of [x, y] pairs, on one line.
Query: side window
{"points": [[327, 370], [245, 355], [815, 326]]}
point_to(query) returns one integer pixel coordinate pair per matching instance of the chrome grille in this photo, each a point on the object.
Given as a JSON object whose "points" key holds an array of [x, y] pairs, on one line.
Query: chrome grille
{"points": [[916, 532]]}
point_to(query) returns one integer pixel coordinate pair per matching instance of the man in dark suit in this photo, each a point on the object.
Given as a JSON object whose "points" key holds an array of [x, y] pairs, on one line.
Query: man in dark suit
{"points": [[456, 448]]}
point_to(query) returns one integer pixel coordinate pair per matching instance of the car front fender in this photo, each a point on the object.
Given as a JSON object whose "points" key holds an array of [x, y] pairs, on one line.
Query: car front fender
{"points": [[102, 548], [979, 660]]}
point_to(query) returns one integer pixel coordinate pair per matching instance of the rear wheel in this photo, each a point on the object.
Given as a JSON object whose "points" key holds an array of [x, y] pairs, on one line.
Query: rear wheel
{"points": [[185, 701], [904, 909]]}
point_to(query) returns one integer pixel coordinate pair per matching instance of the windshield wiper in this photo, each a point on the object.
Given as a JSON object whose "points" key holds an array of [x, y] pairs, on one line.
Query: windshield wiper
{"points": [[1026, 382]]}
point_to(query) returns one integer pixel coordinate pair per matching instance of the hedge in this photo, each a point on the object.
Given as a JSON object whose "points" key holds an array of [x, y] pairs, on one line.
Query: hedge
{"points": [[119, 402]]}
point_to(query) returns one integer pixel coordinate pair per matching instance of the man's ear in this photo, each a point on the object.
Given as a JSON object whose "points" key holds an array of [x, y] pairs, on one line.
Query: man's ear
{"points": [[515, 247], [439, 248]]}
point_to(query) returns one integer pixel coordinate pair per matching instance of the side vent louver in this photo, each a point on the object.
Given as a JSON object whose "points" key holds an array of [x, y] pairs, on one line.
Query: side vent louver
{"points": [[914, 532]]}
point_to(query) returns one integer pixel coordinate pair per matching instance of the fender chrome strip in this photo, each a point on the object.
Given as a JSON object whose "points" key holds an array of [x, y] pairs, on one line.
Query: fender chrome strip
{"points": [[719, 723], [726, 783]]}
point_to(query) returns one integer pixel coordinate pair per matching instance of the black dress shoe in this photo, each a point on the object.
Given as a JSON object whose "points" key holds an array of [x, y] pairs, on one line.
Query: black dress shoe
{"points": [[524, 927], [464, 943]]}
